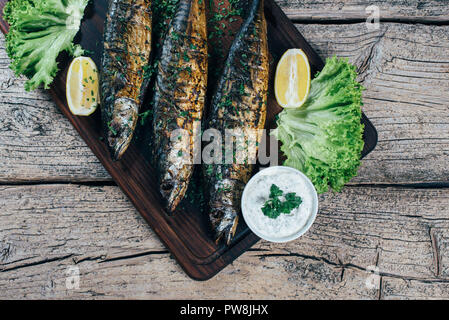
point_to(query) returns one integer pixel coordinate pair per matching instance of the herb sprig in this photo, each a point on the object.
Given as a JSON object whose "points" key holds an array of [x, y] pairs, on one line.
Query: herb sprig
{"points": [[274, 206]]}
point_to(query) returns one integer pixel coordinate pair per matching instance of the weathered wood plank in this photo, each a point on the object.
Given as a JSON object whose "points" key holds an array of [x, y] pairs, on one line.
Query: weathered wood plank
{"points": [[44, 229], [342, 10], [36, 141], [405, 69]]}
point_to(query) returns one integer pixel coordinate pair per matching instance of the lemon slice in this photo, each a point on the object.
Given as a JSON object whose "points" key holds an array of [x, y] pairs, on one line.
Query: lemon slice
{"points": [[82, 86], [292, 80]]}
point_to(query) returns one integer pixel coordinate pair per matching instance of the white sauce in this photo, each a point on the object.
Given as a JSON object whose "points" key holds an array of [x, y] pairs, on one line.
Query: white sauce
{"points": [[285, 227]]}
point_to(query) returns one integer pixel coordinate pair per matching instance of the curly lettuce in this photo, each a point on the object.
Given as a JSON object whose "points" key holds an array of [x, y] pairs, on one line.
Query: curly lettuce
{"points": [[39, 31], [324, 138]]}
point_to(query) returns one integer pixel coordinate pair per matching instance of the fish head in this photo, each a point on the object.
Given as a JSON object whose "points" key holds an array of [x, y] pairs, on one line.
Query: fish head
{"points": [[175, 168], [224, 209], [225, 223], [172, 190], [122, 125]]}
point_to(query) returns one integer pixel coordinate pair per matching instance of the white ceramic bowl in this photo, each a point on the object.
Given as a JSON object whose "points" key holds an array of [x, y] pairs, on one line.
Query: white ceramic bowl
{"points": [[273, 174]]}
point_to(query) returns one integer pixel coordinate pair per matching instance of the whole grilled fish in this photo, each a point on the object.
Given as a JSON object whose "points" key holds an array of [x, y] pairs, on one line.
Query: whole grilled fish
{"points": [[127, 47], [178, 100], [239, 104]]}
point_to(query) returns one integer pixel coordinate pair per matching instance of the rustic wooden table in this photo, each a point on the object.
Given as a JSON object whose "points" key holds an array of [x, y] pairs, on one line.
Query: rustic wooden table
{"points": [[59, 208]]}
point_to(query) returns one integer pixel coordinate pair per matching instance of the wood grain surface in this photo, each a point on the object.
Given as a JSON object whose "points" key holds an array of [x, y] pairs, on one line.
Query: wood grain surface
{"points": [[393, 217], [99, 231], [325, 11]]}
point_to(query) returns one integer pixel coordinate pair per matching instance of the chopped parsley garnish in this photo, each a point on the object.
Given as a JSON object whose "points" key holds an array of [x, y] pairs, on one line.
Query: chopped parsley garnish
{"points": [[274, 206], [144, 115]]}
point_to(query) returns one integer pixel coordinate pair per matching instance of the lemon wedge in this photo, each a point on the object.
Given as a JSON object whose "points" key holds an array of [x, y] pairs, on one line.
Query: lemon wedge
{"points": [[292, 79], [82, 89]]}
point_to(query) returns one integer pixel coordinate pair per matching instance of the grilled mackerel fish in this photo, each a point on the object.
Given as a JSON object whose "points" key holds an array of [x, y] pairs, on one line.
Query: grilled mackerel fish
{"points": [[178, 100], [127, 47], [239, 105]]}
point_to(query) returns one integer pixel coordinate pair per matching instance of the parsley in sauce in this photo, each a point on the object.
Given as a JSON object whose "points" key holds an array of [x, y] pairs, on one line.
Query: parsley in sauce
{"points": [[275, 206]]}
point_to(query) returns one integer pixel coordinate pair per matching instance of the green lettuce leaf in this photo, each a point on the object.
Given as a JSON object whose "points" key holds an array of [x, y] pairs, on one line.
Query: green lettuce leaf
{"points": [[39, 31], [324, 138]]}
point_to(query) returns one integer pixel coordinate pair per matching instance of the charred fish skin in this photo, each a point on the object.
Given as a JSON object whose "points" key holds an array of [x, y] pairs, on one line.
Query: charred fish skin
{"points": [[239, 103], [178, 100], [127, 48]]}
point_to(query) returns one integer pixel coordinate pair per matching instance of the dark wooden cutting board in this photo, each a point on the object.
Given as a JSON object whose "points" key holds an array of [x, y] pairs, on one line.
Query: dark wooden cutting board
{"points": [[185, 234]]}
